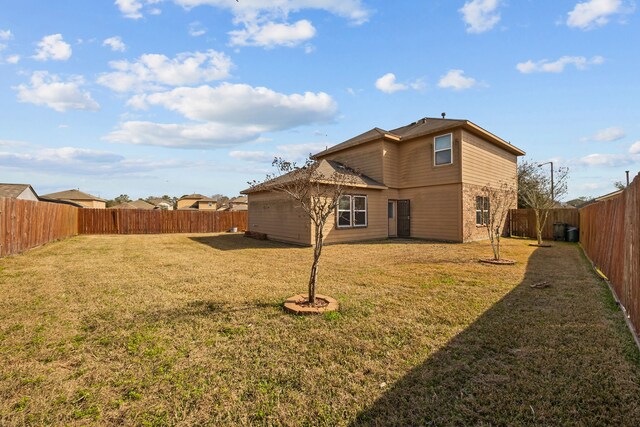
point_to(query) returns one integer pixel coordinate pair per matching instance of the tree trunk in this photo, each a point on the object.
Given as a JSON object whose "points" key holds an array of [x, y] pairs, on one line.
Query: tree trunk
{"points": [[538, 226], [317, 251]]}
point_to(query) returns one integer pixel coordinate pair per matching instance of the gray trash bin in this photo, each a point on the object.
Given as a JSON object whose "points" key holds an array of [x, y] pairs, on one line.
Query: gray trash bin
{"points": [[573, 234], [559, 231]]}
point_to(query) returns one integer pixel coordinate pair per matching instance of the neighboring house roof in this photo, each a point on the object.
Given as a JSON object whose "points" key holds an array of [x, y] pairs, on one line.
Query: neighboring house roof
{"points": [[60, 201], [72, 195], [14, 190], [326, 168], [141, 204], [422, 127], [194, 196], [208, 200], [240, 199], [125, 205], [157, 201]]}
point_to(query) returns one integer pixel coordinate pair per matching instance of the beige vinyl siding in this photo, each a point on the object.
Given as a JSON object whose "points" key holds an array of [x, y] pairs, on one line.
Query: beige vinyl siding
{"points": [[279, 217], [435, 212], [27, 194], [484, 163], [377, 224], [186, 203], [416, 164], [205, 206], [94, 204], [365, 159], [391, 164]]}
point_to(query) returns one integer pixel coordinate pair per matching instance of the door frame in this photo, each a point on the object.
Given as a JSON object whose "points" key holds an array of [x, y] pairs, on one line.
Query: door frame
{"points": [[394, 219]]}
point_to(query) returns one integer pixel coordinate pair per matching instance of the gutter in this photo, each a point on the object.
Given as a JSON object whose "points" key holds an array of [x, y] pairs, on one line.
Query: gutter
{"points": [[627, 319]]}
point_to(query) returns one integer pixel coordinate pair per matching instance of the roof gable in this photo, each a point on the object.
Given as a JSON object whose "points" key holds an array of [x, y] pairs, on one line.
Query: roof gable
{"points": [[72, 195], [14, 190], [417, 129]]}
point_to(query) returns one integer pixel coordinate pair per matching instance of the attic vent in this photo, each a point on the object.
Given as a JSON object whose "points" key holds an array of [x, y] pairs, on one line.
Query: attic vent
{"points": [[443, 114]]}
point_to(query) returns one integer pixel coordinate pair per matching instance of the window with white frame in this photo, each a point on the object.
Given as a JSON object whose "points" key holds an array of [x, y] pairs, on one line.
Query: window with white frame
{"points": [[442, 150], [482, 210], [352, 211]]}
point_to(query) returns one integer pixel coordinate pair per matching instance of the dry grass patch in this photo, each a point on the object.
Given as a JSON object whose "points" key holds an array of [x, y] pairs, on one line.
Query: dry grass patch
{"points": [[184, 330]]}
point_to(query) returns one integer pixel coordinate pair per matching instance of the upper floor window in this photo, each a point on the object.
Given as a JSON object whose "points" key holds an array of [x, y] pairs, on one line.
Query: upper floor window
{"points": [[352, 211], [442, 150]]}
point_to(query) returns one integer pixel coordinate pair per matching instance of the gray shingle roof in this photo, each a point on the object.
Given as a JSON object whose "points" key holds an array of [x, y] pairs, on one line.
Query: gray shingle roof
{"points": [[72, 195], [13, 190]]}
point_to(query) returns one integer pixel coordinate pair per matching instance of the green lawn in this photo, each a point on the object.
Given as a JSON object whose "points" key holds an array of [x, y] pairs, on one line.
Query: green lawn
{"points": [[189, 330]]}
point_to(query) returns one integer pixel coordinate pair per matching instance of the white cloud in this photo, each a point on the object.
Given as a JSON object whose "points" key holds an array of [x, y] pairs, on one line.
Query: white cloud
{"points": [[558, 66], [480, 15], [271, 34], [228, 114], [6, 35], [291, 152], [187, 135], [130, 8], [252, 156], [115, 43], [196, 29], [48, 90], [595, 13], [607, 135], [155, 71], [13, 59], [82, 161], [265, 22], [241, 104], [53, 47], [635, 148], [353, 10], [608, 160], [388, 84], [456, 80]]}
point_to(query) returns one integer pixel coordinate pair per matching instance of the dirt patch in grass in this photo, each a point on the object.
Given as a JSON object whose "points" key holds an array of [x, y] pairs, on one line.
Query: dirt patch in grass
{"points": [[186, 330]]}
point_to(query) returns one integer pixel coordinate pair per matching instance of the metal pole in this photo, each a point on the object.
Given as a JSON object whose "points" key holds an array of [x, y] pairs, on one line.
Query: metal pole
{"points": [[627, 172], [552, 193]]}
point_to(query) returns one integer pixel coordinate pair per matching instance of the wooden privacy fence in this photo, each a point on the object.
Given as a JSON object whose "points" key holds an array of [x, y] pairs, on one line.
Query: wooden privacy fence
{"points": [[25, 224], [610, 236], [137, 221], [522, 222]]}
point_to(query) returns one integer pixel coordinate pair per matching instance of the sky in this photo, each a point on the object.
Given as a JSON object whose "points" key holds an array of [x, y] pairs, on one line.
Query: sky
{"points": [[154, 97]]}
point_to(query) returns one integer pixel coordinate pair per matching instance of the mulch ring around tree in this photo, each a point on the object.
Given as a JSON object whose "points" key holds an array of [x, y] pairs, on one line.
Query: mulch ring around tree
{"points": [[497, 261], [299, 304]]}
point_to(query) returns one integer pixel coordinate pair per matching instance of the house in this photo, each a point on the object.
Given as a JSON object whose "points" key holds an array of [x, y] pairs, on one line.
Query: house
{"points": [[141, 204], [423, 180], [161, 204], [78, 197], [236, 204], [197, 201], [18, 191], [138, 204]]}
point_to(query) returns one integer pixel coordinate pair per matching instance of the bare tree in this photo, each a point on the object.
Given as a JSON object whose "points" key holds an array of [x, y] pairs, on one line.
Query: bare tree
{"points": [[316, 187], [495, 204], [537, 191]]}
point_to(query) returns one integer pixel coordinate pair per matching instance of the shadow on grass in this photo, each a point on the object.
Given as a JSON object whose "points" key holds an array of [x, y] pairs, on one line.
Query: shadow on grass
{"points": [[206, 308], [551, 356], [233, 242]]}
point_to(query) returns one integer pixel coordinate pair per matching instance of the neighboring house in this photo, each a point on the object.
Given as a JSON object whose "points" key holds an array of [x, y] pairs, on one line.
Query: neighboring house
{"points": [[18, 191], [78, 197], [422, 180], [240, 203], [124, 205], [197, 201], [162, 204], [141, 204]]}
